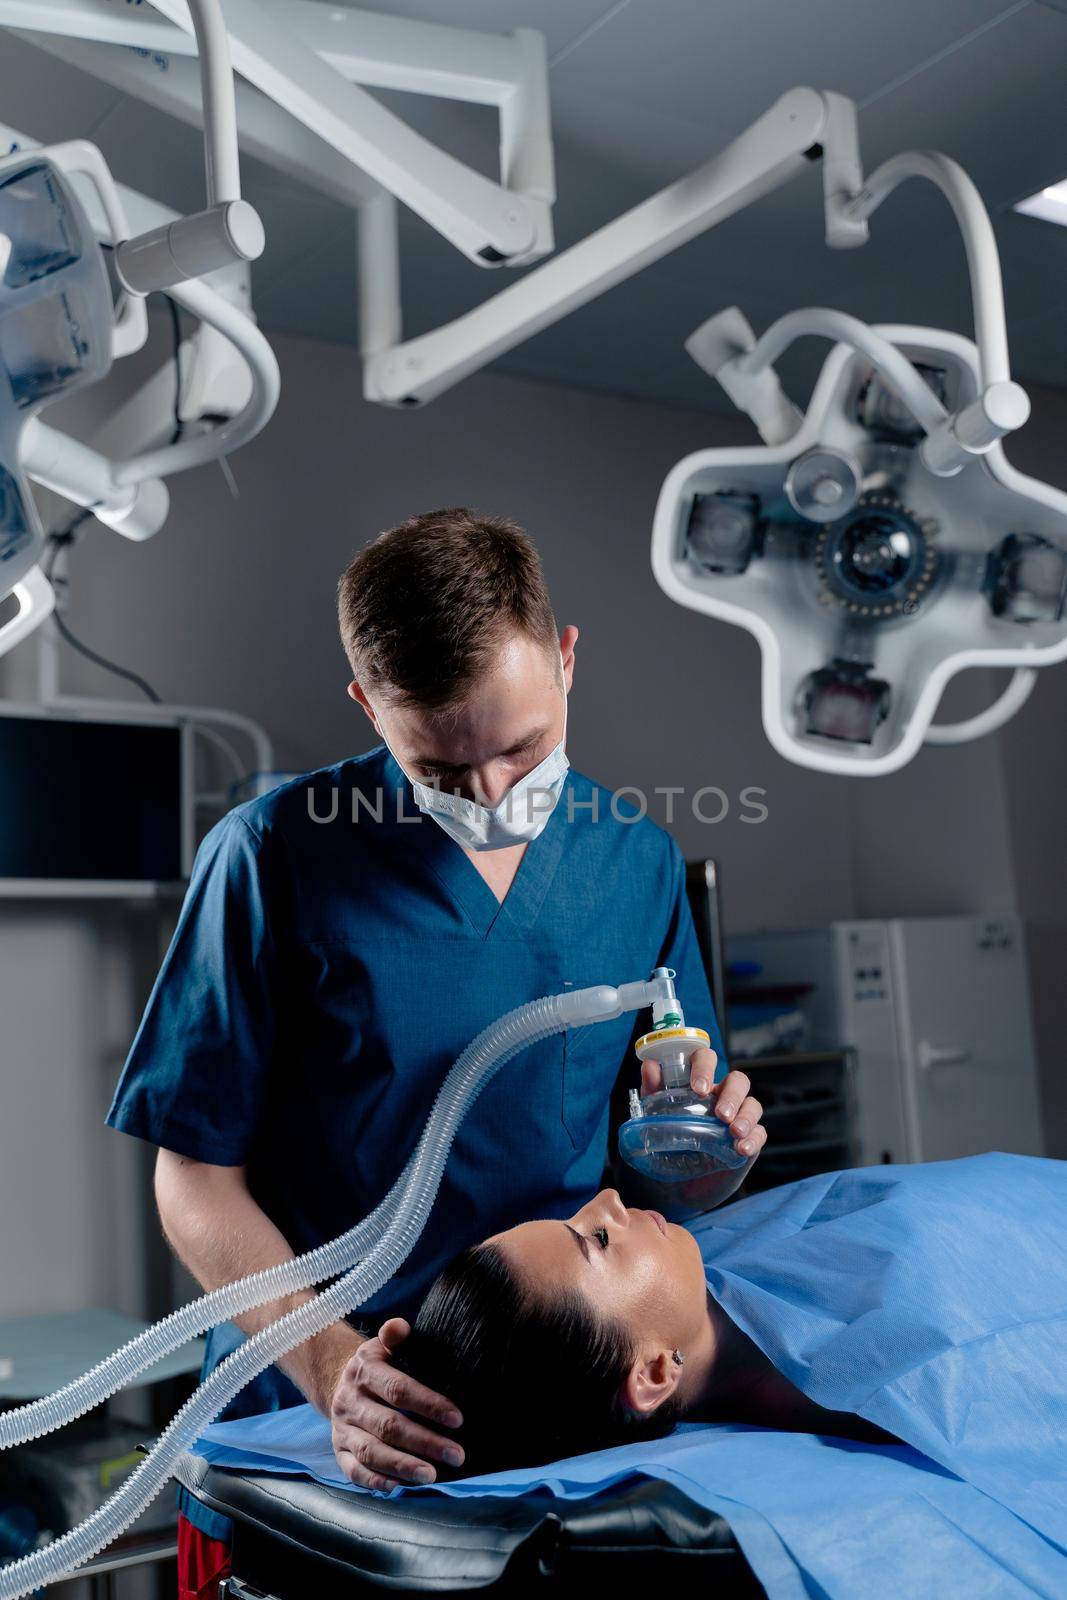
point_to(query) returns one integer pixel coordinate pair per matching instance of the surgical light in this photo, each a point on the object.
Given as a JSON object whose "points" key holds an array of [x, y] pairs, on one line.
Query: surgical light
{"points": [[61, 326], [877, 561], [897, 546], [56, 329]]}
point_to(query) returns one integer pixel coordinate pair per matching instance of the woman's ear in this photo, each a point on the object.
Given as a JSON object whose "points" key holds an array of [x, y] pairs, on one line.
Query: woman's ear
{"points": [[651, 1382]]}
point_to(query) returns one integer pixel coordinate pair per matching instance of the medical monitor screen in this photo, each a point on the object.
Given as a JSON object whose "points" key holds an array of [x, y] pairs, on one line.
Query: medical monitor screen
{"points": [[89, 801]]}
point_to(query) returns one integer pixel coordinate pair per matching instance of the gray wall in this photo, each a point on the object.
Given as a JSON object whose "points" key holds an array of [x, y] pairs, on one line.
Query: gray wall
{"points": [[70, 1214], [1033, 751], [232, 605]]}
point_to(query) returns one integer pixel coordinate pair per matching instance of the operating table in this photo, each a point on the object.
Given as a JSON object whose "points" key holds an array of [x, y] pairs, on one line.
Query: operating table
{"points": [[299, 1540]]}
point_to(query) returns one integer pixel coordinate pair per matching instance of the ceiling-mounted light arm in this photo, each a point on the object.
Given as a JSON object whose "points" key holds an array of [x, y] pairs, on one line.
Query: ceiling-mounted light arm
{"points": [[798, 128], [35, 601], [381, 315], [301, 112], [983, 258], [826, 323], [728, 350], [222, 164], [842, 174], [951, 440], [86, 477], [716, 347], [266, 131], [236, 326], [489, 223], [1017, 693], [228, 229], [1002, 405], [527, 163]]}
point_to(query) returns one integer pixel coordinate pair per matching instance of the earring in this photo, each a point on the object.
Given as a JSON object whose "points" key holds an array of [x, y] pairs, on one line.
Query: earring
{"points": [[677, 1357]]}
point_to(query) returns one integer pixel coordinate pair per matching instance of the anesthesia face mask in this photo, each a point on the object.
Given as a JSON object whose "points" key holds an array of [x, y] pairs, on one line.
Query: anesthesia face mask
{"points": [[684, 1156], [519, 817]]}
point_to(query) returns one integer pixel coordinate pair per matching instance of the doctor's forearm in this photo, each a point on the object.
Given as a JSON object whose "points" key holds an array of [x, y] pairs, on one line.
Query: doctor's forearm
{"points": [[220, 1234]]}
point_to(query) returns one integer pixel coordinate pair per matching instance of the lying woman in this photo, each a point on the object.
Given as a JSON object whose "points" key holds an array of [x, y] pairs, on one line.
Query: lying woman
{"points": [[914, 1318], [920, 1304], [556, 1338]]}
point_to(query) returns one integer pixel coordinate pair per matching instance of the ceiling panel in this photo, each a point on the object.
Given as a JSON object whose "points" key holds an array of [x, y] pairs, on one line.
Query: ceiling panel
{"points": [[298, 225], [315, 298], [997, 105], [721, 64], [561, 21]]}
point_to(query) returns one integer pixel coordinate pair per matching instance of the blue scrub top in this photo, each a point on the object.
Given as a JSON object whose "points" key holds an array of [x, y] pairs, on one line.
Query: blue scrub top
{"points": [[335, 953]]}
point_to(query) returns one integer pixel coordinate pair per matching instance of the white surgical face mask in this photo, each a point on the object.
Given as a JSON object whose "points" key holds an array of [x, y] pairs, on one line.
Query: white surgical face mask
{"points": [[520, 816]]}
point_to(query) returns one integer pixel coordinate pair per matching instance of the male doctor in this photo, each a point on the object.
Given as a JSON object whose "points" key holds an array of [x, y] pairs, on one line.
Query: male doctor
{"points": [[345, 936]]}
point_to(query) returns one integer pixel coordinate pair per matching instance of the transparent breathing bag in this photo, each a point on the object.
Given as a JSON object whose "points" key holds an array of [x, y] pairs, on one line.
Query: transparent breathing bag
{"points": [[683, 1156]]}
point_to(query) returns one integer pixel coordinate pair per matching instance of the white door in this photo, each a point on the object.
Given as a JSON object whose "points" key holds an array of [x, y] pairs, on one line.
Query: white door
{"points": [[966, 1036]]}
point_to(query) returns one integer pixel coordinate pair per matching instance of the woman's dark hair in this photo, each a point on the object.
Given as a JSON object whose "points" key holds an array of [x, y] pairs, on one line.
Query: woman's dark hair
{"points": [[535, 1379]]}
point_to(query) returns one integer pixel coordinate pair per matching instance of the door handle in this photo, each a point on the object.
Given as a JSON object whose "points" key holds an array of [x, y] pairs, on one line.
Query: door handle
{"points": [[941, 1055]]}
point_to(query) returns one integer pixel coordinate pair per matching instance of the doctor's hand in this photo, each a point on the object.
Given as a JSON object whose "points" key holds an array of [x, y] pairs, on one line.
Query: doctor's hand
{"points": [[730, 1099], [376, 1445]]}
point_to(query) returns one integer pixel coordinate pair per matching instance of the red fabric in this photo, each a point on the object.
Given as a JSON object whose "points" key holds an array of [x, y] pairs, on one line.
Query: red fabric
{"points": [[202, 1563]]}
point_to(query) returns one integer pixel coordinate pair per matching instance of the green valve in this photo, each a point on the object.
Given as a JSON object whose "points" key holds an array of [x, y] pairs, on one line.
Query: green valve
{"points": [[671, 1020]]}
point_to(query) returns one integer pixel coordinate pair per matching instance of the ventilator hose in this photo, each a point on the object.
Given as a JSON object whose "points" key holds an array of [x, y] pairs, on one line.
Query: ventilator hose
{"points": [[127, 1364], [481, 1059]]}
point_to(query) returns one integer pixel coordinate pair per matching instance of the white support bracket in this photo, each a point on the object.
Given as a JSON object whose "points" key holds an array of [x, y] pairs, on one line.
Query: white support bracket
{"points": [[802, 126], [307, 58], [172, 83]]}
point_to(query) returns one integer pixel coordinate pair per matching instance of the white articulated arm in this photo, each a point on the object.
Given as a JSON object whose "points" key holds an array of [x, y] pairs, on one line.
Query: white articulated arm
{"points": [[979, 240], [34, 604], [222, 164], [717, 346], [266, 129], [774, 149], [488, 223], [228, 229], [128, 494], [1017, 693], [242, 332], [306, 116], [1003, 405], [726, 347], [84, 476]]}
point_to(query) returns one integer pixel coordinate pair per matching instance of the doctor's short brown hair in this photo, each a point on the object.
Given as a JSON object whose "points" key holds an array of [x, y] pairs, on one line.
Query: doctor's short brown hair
{"points": [[424, 607]]}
